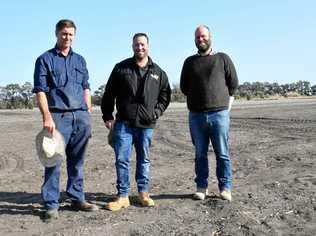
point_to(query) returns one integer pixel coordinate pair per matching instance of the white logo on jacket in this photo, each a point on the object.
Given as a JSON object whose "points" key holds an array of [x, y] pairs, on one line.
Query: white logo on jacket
{"points": [[156, 77]]}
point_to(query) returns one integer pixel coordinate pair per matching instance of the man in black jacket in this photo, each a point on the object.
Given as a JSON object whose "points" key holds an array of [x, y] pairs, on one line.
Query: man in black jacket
{"points": [[209, 80], [141, 92]]}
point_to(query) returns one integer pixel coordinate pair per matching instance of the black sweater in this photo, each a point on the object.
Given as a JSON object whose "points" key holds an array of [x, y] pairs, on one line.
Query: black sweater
{"points": [[208, 81]]}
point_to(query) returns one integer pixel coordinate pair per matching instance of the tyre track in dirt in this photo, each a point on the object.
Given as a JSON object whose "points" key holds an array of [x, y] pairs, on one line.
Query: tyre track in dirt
{"points": [[11, 162]]}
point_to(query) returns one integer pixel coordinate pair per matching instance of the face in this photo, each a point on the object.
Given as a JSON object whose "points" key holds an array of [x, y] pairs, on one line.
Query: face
{"points": [[202, 39], [140, 47], [65, 37]]}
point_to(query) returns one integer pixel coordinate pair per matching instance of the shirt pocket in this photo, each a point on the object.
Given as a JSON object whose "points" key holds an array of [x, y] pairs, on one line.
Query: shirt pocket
{"points": [[79, 75]]}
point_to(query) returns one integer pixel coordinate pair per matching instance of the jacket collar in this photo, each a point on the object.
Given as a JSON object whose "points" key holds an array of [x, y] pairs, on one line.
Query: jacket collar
{"points": [[149, 63]]}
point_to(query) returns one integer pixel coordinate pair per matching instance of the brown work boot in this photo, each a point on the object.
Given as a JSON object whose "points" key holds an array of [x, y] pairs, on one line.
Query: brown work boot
{"points": [[118, 204], [83, 206], [145, 200]]}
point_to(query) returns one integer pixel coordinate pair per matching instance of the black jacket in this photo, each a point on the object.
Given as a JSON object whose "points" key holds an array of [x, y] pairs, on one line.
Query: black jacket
{"points": [[142, 108]]}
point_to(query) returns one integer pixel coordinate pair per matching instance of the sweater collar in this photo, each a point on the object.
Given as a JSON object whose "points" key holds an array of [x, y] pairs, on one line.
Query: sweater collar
{"points": [[211, 53]]}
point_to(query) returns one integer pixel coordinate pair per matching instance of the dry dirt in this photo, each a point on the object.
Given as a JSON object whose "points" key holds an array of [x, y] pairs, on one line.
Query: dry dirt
{"points": [[273, 149]]}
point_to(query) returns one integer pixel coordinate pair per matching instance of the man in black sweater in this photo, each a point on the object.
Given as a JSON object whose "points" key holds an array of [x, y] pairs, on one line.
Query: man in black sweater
{"points": [[141, 92], [209, 80]]}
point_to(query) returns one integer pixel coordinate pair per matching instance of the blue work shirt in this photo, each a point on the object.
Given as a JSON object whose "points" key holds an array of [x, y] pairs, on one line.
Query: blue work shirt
{"points": [[63, 79]]}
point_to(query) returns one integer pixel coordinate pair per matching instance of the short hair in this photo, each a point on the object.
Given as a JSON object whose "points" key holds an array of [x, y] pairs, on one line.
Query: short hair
{"points": [[203, 26], [206, 27], [140, 35], [64, 23]]}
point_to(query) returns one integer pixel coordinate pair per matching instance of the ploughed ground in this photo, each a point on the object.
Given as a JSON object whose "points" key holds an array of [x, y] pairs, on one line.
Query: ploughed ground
{"points": [[272, 146]]}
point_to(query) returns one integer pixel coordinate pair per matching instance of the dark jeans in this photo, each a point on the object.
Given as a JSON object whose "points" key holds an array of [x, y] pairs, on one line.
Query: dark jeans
{"points": [[76, 128]]}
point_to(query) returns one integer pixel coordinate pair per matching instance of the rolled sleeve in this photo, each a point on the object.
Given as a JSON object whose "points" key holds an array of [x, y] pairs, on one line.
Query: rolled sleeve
{"points": [[40, 76], [85, 82]]}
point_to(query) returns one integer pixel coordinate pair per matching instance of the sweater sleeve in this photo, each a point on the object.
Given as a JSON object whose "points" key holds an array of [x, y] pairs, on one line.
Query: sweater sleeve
{"points": [[183, 79], [230, 75]]}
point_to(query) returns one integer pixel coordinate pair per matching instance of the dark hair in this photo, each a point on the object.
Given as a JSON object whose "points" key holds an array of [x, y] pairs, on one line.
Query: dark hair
{"points": [[63, 24], [140, 35]]}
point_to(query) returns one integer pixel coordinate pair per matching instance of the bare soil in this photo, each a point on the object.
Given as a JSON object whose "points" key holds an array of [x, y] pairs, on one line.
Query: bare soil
{"points": [[273, 149]]}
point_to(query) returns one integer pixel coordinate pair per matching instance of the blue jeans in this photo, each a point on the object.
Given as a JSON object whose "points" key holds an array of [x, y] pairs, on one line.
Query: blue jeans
{"points": [[76, 128], [124, 136], [214, 127]]}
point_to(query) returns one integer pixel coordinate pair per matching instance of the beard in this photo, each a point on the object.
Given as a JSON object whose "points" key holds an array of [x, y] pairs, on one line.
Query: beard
{"points": [[140, 55], [203, 47]]}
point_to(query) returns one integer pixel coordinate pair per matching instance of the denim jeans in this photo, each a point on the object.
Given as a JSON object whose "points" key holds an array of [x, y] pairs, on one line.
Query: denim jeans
{"points": [[214, 127], [124, 136], [76, 128]]}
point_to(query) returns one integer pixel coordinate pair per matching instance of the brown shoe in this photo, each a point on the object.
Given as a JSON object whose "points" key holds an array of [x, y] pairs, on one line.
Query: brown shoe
{"points": [[118, 204], [51, 214], [145, 200], [83, 206]]}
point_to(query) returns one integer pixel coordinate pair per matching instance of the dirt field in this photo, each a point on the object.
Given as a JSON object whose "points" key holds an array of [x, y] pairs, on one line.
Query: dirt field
{"points": [[273, 149]]}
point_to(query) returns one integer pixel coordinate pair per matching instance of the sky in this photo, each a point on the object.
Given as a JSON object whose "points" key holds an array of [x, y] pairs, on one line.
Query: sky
{"points": [[268, 41]]}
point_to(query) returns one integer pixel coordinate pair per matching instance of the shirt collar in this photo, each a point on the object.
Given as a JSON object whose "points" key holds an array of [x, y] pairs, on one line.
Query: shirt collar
{"points": [[58, 51]]}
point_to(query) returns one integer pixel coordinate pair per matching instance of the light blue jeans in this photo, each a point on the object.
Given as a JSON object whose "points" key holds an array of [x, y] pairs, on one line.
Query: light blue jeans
{"points": [[124, 136], [214, 127]]}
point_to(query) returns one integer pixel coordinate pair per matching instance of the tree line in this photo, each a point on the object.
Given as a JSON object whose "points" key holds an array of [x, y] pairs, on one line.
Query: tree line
{"points": [[15, 96]]}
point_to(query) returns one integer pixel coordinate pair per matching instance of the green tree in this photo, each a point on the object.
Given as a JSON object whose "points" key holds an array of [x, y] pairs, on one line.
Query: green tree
{"points": [[97, 95]]}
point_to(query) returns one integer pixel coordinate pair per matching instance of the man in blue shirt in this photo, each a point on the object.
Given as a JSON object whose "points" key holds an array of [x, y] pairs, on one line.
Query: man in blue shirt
{"points": [[63, 95]]}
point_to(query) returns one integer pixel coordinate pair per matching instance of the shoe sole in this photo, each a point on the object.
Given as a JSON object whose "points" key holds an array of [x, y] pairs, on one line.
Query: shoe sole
{"points": [[196, 197], [145, 205], [122, 207]]}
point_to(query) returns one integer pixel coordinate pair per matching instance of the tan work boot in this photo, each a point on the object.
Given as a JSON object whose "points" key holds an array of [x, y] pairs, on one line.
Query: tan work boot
{"points": [[118, 204], [145, 200]]}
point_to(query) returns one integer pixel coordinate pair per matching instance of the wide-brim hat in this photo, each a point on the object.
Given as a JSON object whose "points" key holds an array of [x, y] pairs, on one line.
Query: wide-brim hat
{"points": [[50, 147]]}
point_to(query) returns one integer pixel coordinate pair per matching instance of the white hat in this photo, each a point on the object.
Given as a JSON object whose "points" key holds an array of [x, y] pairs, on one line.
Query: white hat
{"points": [[50, 147]]}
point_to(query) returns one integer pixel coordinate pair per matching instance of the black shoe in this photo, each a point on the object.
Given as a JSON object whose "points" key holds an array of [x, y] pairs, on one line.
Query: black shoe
{"points": [[83, 206]]}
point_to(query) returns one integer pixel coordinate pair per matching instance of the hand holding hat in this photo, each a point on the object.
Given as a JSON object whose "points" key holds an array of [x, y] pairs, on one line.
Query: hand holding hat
{"points": [[50, 147]]}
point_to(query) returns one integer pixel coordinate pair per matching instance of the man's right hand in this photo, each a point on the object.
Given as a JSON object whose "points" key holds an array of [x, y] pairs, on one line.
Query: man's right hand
{"points": [[49, 123], [110, 124]]}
